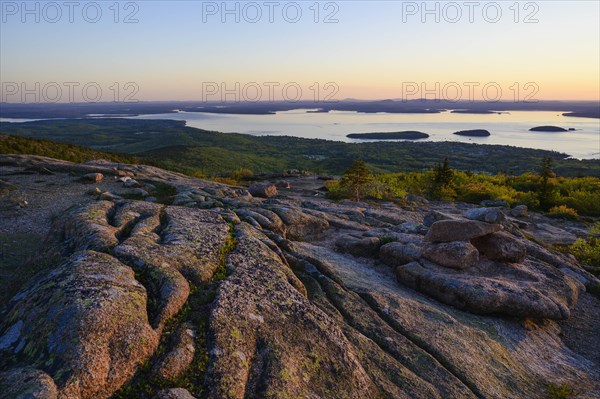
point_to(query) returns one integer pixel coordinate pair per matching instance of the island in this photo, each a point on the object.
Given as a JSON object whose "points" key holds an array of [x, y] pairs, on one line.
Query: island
{"points": [[406, 135], [594, 113], [473, 133], [474, 111], [547, 129]]}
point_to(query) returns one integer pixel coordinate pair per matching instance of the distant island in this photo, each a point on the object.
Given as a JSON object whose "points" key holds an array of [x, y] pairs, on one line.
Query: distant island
{"points": [[473, 133], [547, 129], [407, 135], [595, 113], [474, 111]]}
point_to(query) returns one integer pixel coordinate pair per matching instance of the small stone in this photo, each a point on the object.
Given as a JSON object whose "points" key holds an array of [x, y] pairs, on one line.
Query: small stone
{"points": [[151, 199], [131, 184], [108, 196], [123, 173], [92, 177], [95, 191], [283, 184], [263, 190], [519, 211]]}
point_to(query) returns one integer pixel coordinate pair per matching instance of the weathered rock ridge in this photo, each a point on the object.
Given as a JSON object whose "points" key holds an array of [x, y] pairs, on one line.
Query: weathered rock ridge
{"points": [[190, 288]]}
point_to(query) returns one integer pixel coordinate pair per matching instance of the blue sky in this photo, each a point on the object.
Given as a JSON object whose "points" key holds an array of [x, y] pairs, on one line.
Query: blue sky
{"points": [[369, 53]]}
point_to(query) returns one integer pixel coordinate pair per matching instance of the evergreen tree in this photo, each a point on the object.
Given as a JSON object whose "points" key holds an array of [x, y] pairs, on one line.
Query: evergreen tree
{"points": [[546, 189], [357, 179], [443, 181]]}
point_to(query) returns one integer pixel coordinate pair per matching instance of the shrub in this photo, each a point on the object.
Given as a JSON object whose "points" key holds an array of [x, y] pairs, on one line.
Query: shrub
{"points": [[562, 391], [563, 211], [225, 180], [386, 187], [414, 183], [584, 201], [587, 250], [199, 174], [530, 199], [479, 191], [242, 174], [335, 190]]}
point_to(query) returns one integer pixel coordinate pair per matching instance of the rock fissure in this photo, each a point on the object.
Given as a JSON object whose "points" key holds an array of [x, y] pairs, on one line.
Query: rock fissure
{"points": [[426, 348]]}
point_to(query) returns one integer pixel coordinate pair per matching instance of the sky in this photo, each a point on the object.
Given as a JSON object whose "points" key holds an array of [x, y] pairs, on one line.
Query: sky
{"points": [[196, 50]]}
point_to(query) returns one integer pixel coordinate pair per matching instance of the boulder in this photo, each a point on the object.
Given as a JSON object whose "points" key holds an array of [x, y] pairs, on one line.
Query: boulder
{"points": [[92, 177], [459, 230], [300, 225], [263, 190], [488, 215], [530, 290], [455, 255], [435, 216], [359, 246], [397, 253], [500, 246], [519, 211]]}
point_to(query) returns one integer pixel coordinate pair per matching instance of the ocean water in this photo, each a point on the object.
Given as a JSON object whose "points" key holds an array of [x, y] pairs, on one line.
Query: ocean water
{"points": [[510, 128]]}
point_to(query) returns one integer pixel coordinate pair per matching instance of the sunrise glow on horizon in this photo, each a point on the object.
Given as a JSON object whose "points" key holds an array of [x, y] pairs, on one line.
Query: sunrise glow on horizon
{"points": [[349, 49]]}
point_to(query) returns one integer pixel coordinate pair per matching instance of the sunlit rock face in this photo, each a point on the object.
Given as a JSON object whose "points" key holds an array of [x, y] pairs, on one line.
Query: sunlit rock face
{"points": [[200, 289]]}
